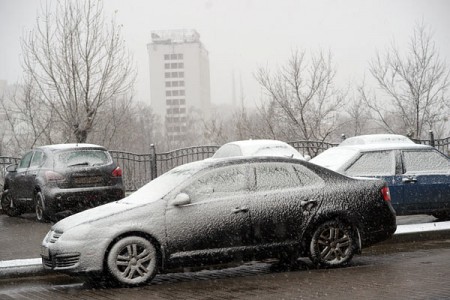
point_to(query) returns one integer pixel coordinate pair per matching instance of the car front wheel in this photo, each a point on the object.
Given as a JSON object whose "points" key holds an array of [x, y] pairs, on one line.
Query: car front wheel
{"points": [[8, 206], [333, 244], [39, 204], [133, 261]]}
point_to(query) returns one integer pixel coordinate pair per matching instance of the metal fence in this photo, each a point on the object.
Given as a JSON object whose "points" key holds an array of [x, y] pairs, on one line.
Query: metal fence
{"points": [[138, 169], [442, 145]]}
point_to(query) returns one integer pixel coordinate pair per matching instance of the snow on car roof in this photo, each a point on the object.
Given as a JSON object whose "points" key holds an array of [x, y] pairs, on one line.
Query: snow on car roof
{"points": [[337, 157], [70, 146], [266, 147], [376, 139]]}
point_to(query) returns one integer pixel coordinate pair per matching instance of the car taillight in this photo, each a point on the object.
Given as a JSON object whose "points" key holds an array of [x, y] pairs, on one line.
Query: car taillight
{"points": [[53, 176], [117, 172], [386, 194]]}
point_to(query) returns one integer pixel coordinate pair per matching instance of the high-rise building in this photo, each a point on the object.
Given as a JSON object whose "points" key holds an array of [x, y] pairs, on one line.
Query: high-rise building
{"points": [[179, 79]]}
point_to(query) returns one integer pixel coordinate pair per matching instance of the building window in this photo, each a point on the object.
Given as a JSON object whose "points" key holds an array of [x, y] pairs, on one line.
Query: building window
{"points": [[181, 83], [182, 110], [173, 65], [175, 110], [181, 74], [180, 65], [181, 93], [168, 93], [182, 101], [169, 111], [168, 102], [166, 56], [175, 83], [174, 74], [167, 74], [175, 93], [173, 56], [180, 56], [168, 83], [166, 66], [175, 101]]}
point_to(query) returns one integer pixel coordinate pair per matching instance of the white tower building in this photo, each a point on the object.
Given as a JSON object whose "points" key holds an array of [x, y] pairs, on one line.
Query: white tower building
{"points": [[179, 79]]}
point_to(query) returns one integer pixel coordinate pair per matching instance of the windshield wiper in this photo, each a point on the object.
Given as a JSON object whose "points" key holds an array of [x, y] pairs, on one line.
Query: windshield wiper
{"points": [[80, 164]]}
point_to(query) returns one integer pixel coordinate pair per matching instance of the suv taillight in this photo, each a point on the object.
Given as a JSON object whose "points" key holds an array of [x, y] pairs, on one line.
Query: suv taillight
{"points": [[117, 172], [386, 194]]}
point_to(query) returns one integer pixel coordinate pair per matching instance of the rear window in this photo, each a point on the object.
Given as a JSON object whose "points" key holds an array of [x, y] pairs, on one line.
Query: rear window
{"points": [[335, 158], [78, 157]]}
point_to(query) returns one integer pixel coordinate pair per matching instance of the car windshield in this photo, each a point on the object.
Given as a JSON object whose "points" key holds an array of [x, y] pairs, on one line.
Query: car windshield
{"points": [[78, 157], [164, 184], [334, 158]]}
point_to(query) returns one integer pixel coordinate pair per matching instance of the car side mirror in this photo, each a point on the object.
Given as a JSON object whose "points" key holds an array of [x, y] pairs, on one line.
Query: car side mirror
{"points": [[181, 199], [11, 168]]}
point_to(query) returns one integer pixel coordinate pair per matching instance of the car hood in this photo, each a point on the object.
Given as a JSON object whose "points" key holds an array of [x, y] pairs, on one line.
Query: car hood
{"points": [[97, 213]]}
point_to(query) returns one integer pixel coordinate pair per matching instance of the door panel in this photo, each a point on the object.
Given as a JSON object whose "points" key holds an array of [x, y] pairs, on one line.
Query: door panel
{"points": [[426, 180], [217, 216]]}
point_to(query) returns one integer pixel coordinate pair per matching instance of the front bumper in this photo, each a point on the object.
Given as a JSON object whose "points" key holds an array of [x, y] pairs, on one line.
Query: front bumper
{"points": [[72, 256]]}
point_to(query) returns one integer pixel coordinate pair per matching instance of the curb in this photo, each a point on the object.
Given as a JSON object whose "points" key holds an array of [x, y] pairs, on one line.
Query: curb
{"points": [[404, 233]]}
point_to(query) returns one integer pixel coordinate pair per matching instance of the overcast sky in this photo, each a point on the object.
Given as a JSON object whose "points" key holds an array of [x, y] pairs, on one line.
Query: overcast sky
{"points": [[242, 35]]}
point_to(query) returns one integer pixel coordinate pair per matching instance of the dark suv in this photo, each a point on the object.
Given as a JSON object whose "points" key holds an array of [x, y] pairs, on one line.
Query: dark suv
{"points": [[58, 180]]}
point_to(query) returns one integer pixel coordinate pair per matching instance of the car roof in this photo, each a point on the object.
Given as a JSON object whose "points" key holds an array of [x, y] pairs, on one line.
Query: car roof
{"points": [[60, 147], [385, 146], [210, 163], [250, 147], [376, 139]]}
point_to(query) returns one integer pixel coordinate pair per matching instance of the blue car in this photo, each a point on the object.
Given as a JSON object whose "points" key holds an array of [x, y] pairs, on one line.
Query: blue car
{"points": [[418, 176]]}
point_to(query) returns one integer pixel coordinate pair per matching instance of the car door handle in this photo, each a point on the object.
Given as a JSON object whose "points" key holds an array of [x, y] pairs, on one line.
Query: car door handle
{"points": [[308, 204], [409, 179], [240, 209]]}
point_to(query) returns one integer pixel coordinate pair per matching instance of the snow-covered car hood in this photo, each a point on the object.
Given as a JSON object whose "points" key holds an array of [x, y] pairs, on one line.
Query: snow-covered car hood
{"points": [[96, 213]]}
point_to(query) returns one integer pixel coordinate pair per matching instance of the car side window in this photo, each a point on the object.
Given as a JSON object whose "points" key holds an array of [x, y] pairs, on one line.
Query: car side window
{"points": [[377, 163], [430, 161], [37, 160], [306, 176], [218, 183], [273, 176], [25, 161]]}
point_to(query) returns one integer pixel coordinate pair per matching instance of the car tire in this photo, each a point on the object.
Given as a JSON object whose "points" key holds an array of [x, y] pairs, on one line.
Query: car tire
{"points": [[333, 244], [39, 207], [8, 206], [133, 261]]}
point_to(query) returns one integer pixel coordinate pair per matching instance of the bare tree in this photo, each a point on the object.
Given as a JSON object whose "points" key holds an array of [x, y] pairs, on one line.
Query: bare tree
{"points": [[78, 62], [415, 84], [303, 95], [27, 120]]}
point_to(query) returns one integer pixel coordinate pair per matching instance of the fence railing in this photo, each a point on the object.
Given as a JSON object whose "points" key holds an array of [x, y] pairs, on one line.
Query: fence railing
{"points": [[138, 169]]}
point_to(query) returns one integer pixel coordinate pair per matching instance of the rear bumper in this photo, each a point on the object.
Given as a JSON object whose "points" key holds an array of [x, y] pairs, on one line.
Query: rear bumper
{"points": [[75, 200]]}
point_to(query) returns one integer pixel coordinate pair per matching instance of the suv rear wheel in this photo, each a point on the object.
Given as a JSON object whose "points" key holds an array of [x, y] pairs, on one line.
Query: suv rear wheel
{"points": [[39, 203]]}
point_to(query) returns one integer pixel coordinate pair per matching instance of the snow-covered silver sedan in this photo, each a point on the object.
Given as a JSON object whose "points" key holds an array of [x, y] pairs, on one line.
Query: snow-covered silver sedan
{"points": [[222, 210]]}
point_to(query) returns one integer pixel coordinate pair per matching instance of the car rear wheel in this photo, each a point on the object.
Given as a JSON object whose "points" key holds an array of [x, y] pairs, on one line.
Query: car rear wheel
{"points": [[133, 261], [39, 204], [8, 206], [333, 244]]}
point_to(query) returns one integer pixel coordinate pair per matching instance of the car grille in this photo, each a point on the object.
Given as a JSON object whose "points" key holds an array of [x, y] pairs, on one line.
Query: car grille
{"points": [[62, 261]]}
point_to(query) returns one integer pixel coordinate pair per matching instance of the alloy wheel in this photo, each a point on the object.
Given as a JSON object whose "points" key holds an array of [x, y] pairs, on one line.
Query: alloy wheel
{"points": [[332, 244], [133, 261]]}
